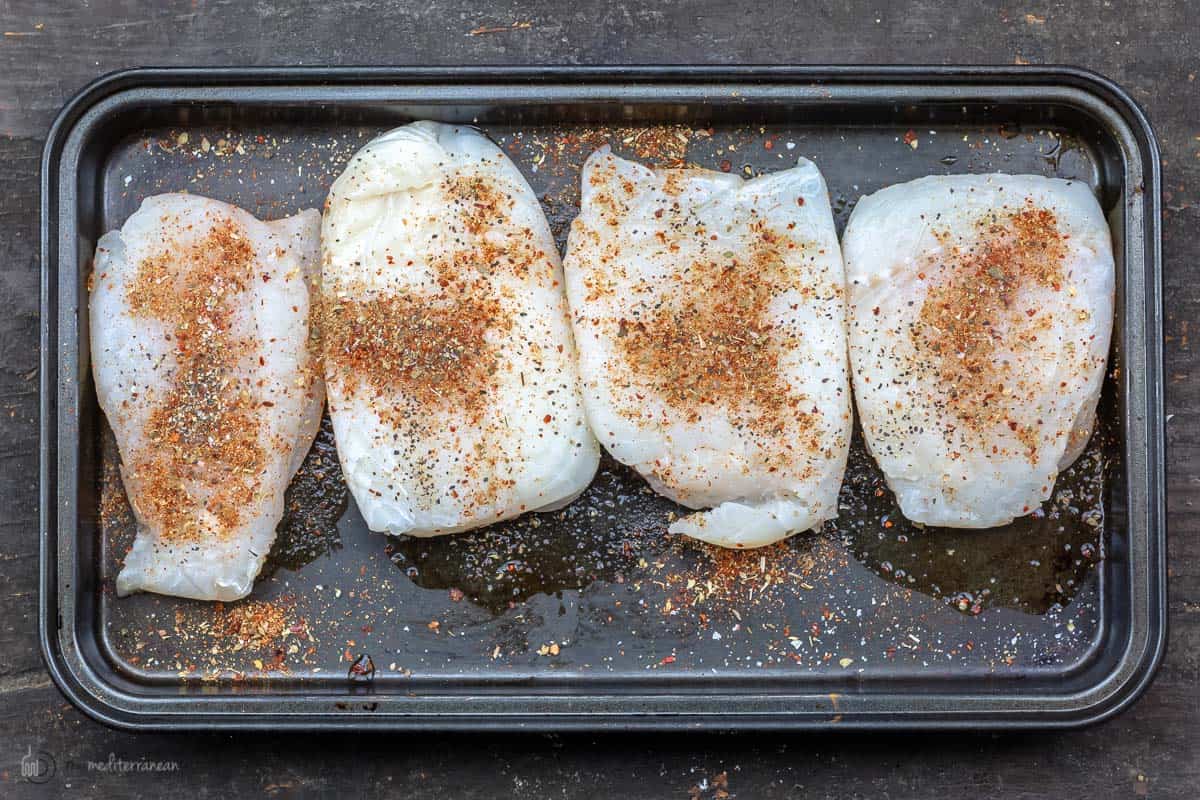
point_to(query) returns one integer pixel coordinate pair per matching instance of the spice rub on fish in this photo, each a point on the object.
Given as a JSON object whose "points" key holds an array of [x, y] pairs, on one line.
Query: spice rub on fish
{"points": [[981, 311], [710, 317], [452, 379], [208, 372]]}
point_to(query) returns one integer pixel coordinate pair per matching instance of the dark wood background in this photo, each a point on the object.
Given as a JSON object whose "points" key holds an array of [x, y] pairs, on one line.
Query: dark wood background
{"points": [[49, 50]]}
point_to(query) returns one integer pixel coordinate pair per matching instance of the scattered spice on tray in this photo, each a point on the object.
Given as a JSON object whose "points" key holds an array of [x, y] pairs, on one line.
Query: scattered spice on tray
{"points": [[218, 642], [737, 582], [115, 511], [253, 624], [661, 145]]}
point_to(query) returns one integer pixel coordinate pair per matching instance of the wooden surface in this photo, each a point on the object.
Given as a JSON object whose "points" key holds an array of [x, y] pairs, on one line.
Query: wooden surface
{"points": [[49, 50]]}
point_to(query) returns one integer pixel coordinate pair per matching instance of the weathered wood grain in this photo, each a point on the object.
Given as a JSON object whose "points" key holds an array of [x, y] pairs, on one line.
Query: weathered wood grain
{"points": [[48, 51]]}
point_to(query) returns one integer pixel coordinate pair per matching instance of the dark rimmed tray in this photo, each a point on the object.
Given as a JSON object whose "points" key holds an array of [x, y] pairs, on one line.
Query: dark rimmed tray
{"points": [[591, 618]]}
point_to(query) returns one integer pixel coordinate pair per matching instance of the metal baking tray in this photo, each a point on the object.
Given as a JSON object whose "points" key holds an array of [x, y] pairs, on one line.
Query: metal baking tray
{"points": [[592, 617]]}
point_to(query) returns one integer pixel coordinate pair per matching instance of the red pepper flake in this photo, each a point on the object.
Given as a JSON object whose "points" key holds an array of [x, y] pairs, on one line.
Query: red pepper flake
{"points": [[667, 660]]}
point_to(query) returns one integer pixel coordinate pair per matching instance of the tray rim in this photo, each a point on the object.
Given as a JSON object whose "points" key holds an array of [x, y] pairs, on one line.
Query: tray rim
{"points": [[1116, 691]]}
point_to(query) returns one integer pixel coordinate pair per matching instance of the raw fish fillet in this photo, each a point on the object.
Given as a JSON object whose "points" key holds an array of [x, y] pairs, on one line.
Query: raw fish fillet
{"points": [[710, 317], [206, 368], [981, 308], [452, 379]]}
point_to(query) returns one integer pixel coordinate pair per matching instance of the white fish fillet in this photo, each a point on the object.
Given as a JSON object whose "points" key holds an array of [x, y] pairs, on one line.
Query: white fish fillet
{"points": [[981, 309], [451, 370], [200, 337], [710, 318]]}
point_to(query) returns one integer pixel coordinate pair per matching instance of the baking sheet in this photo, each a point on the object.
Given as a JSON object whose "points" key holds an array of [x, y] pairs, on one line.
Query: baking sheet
{"points": [[598, 595], [600, 586]]}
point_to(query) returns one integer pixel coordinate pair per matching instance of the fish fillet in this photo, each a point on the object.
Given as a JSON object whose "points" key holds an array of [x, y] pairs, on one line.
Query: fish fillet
{"points": [[981, 308], [710, 318], [449, 360], [203, 364]]}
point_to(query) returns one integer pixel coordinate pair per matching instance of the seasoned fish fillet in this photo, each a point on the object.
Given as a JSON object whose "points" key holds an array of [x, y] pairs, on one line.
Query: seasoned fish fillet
{"points": [[981, 308], [448, 354], [204, 367], [710, 318]]}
